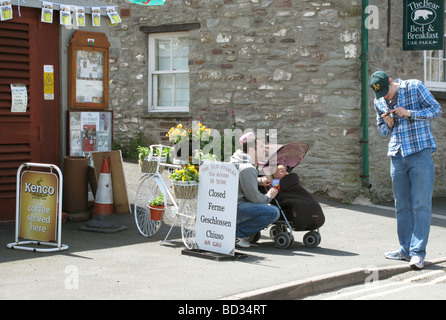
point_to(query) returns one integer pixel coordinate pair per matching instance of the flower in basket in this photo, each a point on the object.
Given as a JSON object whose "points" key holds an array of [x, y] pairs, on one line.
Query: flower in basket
{"points": [[200, 132], [187, 173], [199, 155], [178, 134], [143, 152]]}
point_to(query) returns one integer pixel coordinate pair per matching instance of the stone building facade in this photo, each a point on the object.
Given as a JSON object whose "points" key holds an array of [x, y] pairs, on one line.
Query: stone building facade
{"points": [[289, 65]]}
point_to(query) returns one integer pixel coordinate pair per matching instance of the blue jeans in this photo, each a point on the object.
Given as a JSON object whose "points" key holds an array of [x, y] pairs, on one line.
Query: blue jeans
{"points": [[253, 217], [413, 184]]}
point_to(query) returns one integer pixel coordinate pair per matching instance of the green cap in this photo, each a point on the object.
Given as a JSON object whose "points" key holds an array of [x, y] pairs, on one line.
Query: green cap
{"points": [[379, 82]]}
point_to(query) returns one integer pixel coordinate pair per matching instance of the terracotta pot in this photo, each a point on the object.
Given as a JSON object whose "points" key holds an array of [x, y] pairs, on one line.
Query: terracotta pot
{"points": [[156, 212]]}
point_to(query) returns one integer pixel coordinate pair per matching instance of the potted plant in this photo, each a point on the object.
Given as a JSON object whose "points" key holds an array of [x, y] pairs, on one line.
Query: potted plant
{"points": [[143, 159], [156, 207], [185, 182], [182, 138], [149, 157], [159, 152]]}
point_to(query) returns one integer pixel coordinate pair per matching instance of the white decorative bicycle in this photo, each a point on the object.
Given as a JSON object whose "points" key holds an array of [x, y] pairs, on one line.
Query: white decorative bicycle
{"points": [[182, 202]]}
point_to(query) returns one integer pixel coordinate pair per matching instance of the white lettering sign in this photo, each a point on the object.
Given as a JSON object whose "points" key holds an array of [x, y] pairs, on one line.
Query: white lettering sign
{"points": [[217, 207], [19, 98]]}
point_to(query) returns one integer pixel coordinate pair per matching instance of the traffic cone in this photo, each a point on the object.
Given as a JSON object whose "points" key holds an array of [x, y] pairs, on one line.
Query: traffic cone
{"points": [[103, 205]]}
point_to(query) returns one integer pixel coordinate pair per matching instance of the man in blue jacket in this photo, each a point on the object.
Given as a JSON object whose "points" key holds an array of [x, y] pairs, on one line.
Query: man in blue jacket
{"points": [[404, 109]]}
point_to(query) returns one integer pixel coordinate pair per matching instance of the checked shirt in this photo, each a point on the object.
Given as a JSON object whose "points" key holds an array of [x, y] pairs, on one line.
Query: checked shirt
{"points": [[409, 135]]}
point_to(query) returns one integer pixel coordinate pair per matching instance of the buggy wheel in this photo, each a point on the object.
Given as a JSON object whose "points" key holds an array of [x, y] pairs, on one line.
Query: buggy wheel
{"points": [[148, 189], [283, 240], [254, 238], [291, 239], [274, 231], [319, 237], [312, 239]]}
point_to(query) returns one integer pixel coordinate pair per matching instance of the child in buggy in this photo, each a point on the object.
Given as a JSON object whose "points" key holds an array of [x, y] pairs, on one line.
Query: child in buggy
{"points": [[299, 209]]}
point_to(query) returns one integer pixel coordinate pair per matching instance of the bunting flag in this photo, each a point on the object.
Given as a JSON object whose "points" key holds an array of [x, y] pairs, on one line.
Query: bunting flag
{"points": [[47, 12], [113, 15], [66, 11], [5, 10], [96, 16], [80, 16], [148, 2], [67, 17]]}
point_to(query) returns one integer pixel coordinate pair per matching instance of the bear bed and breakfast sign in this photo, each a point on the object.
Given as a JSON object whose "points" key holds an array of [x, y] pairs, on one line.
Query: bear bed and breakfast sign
{"points": [[423, 27]]}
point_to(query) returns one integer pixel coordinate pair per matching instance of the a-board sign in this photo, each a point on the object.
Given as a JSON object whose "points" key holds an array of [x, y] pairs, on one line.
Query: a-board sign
{"points": [[217, 207], [39, 193]]}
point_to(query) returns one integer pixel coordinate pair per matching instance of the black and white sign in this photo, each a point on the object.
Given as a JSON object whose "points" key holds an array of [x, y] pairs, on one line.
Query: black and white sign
{"points": [[217, 207]]}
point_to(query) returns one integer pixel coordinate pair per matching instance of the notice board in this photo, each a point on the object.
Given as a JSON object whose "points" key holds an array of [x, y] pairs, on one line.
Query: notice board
{"points": [[89, 131]]}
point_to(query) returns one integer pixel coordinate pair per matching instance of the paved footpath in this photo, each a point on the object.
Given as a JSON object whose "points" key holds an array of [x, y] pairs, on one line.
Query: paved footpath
{"points": [[126, 265]]}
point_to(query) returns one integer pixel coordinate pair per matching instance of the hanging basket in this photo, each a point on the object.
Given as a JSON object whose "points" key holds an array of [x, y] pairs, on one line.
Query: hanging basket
{"points": [[185, 189], [149, 166]]}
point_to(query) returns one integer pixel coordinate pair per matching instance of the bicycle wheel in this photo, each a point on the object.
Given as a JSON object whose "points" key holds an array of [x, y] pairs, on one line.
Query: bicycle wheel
{"points": [[187, 210], [148, 189]]}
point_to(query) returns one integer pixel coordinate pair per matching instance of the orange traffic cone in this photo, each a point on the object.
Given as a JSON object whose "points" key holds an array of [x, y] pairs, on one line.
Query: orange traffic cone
{"points": [[103, 204]]}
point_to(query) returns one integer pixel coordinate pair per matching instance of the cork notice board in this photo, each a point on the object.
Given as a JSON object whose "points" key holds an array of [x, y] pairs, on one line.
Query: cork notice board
{"points": [[120, 197]]}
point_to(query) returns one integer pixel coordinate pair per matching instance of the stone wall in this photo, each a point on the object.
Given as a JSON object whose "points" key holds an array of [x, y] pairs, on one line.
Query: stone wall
{"points": [[290, 65]]}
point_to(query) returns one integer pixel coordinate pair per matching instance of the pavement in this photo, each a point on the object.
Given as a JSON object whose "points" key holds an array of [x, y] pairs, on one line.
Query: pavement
{"points": [[126, 265]]}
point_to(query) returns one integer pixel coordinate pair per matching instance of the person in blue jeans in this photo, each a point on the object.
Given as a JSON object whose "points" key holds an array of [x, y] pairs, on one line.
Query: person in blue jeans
{"points": [[254, 212], [404, 109]]}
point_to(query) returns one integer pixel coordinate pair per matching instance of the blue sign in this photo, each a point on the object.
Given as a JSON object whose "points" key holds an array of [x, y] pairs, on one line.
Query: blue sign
{"points": [[148, 2]]}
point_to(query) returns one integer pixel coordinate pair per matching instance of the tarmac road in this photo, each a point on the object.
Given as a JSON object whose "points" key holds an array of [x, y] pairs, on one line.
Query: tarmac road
{"points": [[126, 265]]}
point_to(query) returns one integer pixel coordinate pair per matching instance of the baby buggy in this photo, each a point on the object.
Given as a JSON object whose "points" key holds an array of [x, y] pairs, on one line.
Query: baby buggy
{"points": [[300, 211]]}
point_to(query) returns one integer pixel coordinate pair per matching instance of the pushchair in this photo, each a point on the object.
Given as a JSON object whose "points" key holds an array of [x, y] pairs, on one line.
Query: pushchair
{"points": [[300, 211]]}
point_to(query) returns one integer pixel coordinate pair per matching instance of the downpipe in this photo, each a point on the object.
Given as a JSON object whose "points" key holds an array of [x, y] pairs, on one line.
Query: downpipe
{"points": [[364, 99]]}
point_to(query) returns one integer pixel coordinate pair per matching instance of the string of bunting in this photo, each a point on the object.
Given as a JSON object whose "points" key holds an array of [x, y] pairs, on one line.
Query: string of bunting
{"points": [[66, 11]]}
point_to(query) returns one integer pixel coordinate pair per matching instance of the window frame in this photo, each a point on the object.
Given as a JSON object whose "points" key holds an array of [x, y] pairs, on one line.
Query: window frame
{"points": [[435, 85], [152, 79]]}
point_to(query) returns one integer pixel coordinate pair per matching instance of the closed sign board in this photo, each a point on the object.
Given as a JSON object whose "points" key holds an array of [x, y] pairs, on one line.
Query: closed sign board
{"points": [[217, 207]]}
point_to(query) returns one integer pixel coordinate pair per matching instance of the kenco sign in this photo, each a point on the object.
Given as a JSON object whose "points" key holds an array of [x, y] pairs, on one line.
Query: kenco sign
{"points": [[423, 26], [38, 209], [38, 205]]}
